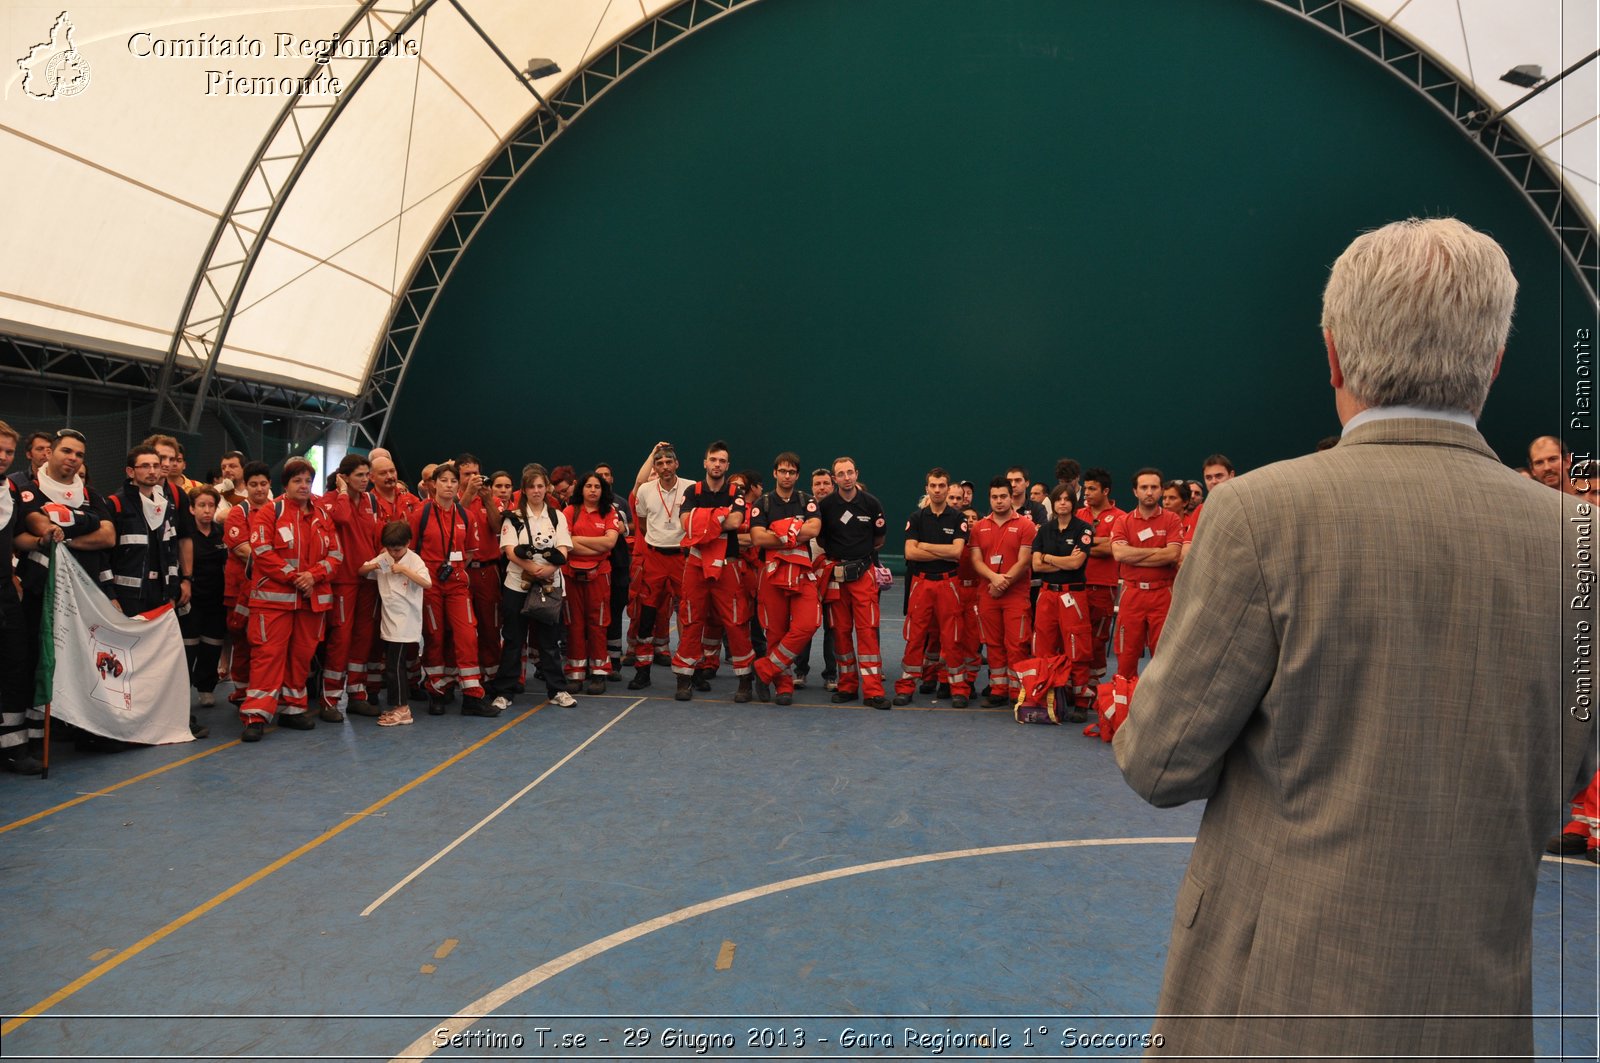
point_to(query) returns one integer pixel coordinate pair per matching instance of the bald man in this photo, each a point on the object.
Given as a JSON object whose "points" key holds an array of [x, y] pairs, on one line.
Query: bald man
{"points": [[1548, 458]]}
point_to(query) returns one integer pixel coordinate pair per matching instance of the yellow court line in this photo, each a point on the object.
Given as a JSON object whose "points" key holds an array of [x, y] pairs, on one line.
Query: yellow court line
{"points": [[112, 789], [94, 973]]}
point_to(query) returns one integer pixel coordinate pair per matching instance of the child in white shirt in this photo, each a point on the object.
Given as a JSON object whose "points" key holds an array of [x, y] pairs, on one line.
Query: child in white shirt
{"points": [[402, 577]]}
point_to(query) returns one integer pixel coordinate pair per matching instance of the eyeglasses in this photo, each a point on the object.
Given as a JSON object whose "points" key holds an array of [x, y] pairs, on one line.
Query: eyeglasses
{"points": [[72, 433], [148, 465]]}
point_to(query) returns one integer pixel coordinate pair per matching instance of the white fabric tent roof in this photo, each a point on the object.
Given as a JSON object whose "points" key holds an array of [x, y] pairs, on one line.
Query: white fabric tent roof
{"points": [[114, 191]]}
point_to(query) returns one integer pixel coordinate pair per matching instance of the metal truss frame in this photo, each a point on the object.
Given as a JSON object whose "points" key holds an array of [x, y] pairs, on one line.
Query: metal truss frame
{"points": [[242, 228], [189, 368], [35, 362], [1540, 186], [500, 172]]}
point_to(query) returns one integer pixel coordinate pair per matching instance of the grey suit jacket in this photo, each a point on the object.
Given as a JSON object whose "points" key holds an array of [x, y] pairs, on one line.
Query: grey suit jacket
{"points": [[1366, 670]]}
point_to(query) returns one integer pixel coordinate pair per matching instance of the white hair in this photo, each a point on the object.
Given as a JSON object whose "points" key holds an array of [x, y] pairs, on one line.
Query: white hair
{"points": [[1419, 311]]}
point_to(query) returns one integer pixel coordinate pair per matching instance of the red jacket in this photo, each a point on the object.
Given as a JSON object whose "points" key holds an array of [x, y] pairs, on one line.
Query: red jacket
{"points": [[285, 541], [235, 533], [358, 534]]}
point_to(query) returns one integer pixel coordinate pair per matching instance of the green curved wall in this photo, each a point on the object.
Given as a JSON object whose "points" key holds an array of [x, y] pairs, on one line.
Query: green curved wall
{"points": [[933, 232]]}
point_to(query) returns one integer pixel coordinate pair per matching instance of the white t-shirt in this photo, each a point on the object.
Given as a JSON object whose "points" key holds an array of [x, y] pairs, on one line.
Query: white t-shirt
{"points": [[539, 532], [658, 507], [401, 597]]}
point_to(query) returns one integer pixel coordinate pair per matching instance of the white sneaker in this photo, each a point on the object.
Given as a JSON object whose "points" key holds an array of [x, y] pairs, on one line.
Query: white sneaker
{"points": [[207, 699], [501, 703], [562, 698]]}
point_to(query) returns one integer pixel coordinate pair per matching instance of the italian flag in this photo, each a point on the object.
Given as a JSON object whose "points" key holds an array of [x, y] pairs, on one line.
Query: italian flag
{"points": [[122, 677]]}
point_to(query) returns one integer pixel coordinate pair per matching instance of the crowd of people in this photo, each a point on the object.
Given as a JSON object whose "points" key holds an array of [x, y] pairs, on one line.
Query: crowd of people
{"points": [[315, 603]]}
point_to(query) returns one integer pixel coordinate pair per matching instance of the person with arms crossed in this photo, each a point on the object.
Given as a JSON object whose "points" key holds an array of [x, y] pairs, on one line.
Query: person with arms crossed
{"points": [[1061, 615], [1001, 553], [782, 526], [1330, 722], [1147, 544]]}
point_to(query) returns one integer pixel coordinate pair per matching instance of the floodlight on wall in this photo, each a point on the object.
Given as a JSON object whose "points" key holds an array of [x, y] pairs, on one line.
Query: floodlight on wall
{"points": [[536, 68], [1524, 77], [543, 68], [1528, 76]]}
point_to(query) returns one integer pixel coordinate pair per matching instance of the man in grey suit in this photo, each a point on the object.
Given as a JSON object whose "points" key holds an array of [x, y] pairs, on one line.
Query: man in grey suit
{"points": [[1368, 646]]}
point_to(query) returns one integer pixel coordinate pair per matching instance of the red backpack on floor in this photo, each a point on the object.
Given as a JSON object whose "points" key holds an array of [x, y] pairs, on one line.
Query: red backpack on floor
{"points": [[1111, 707], [1046, 689]]}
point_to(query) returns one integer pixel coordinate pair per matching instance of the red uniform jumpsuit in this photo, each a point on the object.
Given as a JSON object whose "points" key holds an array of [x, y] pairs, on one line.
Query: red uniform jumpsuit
{"points": [[1146, 591], [354, 623], [449, 635], [934, 613], [236, 596], [851, 528], [1003, 622], [711, 584], [483, 573], [962, 659], [658, 553], [286, 625], [1101, 574], [790, 605], [1586, 813], [588, 603], [1061, 616]]}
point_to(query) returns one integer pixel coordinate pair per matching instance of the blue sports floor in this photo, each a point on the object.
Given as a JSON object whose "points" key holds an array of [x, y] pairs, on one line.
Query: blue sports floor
{"points": [[631, 878]]}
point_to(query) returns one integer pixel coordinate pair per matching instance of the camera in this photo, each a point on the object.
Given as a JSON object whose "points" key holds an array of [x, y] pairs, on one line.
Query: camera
{"points": [[445, 571]]}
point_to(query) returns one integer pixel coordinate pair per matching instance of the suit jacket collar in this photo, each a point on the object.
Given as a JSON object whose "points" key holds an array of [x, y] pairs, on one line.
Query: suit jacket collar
{"points": [[1425, 431]]}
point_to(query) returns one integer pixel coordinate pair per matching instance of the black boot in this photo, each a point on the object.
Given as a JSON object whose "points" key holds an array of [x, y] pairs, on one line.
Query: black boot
{"points": [[640, 680], [742, 695], [702, 678], [685, 688], [28, 759], [198, 729]]}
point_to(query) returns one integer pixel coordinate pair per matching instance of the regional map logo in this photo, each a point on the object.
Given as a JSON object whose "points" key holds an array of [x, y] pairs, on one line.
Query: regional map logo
{"points": [[55, 68]]}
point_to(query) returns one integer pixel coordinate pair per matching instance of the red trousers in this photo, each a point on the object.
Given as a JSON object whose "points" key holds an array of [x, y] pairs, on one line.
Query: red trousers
{"points": [[449, 635], [1003, 625], [1586, 813], [855, 637], [935, 614], [282, 642], [790, 615], [962, 658], [1102, 614], [1061, 626], [588, 611], [711, 600], [352, 628], [239, 630], [485, 581], [1139, 623], [657, 590]]}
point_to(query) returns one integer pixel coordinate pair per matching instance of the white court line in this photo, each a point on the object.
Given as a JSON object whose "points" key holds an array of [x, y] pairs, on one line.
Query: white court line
{"points": [[484, 1006], [486, 820]]}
